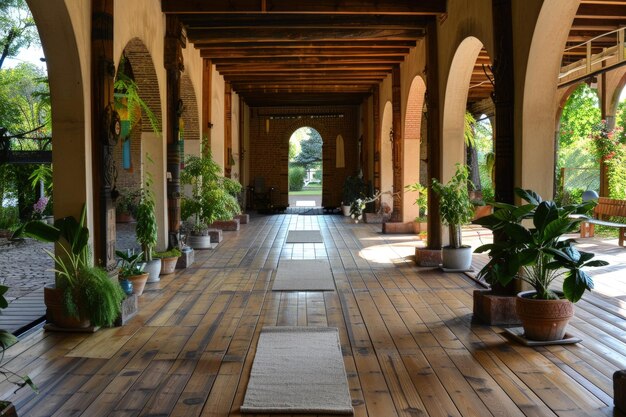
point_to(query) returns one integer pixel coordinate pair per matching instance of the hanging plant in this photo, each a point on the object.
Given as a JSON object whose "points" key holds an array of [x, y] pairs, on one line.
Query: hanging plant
{"points": [[129, 103]]}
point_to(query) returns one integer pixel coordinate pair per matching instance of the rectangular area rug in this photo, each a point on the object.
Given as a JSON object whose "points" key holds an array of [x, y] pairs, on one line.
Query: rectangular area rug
{"points": [[298, 370], [304, 275], [304, 236]]}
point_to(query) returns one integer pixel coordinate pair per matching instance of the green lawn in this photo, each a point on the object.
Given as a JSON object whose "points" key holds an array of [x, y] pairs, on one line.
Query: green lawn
{"points": [[306, 192]]}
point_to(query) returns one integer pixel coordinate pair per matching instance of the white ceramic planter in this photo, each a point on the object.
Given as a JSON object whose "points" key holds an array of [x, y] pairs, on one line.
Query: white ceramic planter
{"points": [[457, 258], [153, 268]]}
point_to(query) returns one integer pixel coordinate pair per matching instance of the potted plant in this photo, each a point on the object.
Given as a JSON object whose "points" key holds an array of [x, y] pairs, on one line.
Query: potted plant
{"points": [[353, 188], [533, 251], [83, 295], [146, 230], [126, 205], [421, 201], [168, 260], [212, 198], [131, 270], [456, 210]]}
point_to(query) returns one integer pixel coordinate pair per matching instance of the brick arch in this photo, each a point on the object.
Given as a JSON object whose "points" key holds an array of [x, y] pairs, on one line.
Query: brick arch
{"points": [[412, 138], [190, 115], [140, 67]]}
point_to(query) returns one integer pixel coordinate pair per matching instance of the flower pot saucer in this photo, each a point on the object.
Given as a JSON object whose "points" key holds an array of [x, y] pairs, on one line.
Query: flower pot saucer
{"points": [[517, 334], [455, 270], [51, 327]]}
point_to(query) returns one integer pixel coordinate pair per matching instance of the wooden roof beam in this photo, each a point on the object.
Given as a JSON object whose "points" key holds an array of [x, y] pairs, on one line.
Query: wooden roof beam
{"points": [[422, 7], [252, 35], [239, 53], [312, 60], [298, 21]]}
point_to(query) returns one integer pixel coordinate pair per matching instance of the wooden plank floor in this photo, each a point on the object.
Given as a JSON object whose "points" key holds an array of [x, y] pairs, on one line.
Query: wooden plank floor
{"points": [[409, 344]]}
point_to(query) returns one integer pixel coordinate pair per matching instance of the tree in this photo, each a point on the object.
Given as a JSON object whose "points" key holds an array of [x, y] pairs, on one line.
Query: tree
{"points": [[310, 150], [17, 28]]}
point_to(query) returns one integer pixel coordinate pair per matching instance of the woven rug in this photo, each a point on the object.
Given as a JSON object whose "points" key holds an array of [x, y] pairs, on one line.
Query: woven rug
{"points": [[304, 236], [303, 275], [298, 370]]}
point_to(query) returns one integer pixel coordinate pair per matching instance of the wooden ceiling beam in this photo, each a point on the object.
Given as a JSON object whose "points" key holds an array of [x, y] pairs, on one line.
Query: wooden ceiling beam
{"points": [[402, 7], [298, 21], [291, 44], [297, 60], [601, 11], [236, 53], [254, 35], [597, 25]]}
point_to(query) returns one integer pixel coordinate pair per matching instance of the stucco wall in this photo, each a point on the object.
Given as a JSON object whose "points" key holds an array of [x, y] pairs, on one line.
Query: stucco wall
{"points": [[217, 117]]}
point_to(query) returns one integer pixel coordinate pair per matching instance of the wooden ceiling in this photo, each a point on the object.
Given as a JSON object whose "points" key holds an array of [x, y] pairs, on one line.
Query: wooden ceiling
{"points": [[304, 52], [594, 18], [326, 52]]}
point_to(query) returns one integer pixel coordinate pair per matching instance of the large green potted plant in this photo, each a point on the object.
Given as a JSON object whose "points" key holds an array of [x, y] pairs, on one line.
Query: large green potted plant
{"points": [[456, 210], [212, 198], [83, 294], [146, 230], [533, 250]]}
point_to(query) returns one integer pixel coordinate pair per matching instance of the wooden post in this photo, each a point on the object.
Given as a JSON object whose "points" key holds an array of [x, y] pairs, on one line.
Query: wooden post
{"points": [[104, 132], [228, 130], [206, 105], [610, 124], [377, 144], [398, 143], [434, 154], [173, 61], [504, 97]]}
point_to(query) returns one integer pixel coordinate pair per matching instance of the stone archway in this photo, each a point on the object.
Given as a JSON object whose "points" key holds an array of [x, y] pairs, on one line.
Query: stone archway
{"points": [[535, 160], [455, 104], [412, 140], [69, 77], [386, 155], [191, 121]]}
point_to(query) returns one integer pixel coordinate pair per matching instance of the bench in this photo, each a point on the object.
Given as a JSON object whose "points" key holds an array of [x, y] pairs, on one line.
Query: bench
{"points": [[606, 207]]}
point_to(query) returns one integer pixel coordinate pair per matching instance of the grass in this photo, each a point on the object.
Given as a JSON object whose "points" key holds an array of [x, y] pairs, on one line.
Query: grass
{"points": [[306, 192]]}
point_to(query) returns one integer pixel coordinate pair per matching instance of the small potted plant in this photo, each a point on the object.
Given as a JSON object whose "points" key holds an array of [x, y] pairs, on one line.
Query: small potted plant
{"points": [[421, 201], [146, 231], [126, 205], [456, 210], [212, 198], [168, 260], [83, 295], [533, 251], [131, 270], [353, 188]]}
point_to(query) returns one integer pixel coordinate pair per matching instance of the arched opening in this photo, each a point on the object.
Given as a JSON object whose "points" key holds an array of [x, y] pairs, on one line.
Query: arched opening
{"points": [[617, 164], [538, 112], [305, 168], [386, 159], [413, 119], [457, 91], [577, 168], [141, 149]]}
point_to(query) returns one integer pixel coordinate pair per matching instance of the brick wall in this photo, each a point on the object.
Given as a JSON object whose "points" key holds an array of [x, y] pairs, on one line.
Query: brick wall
{"points": [[139, 67], [190, 115], [269, 150]]}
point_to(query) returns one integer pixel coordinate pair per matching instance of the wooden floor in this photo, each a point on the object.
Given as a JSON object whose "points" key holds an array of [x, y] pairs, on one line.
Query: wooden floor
{"points": [[409, 345]]}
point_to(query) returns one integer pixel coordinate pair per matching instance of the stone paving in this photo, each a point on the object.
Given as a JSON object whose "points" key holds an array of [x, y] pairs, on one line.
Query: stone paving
{"points": [[25, 267]]}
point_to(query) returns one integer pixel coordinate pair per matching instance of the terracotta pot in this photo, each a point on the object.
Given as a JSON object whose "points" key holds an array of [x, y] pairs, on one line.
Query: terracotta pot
{"points": [[139, 282], [168, 265], [543, 319], [124, 218], [7, 409], [55, 310]]}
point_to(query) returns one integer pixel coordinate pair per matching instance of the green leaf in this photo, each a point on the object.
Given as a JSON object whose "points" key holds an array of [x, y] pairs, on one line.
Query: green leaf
{"points": [[545, 214], [529, 195], [518, 233], [41, 231], [596, 263], [555, 228]]}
